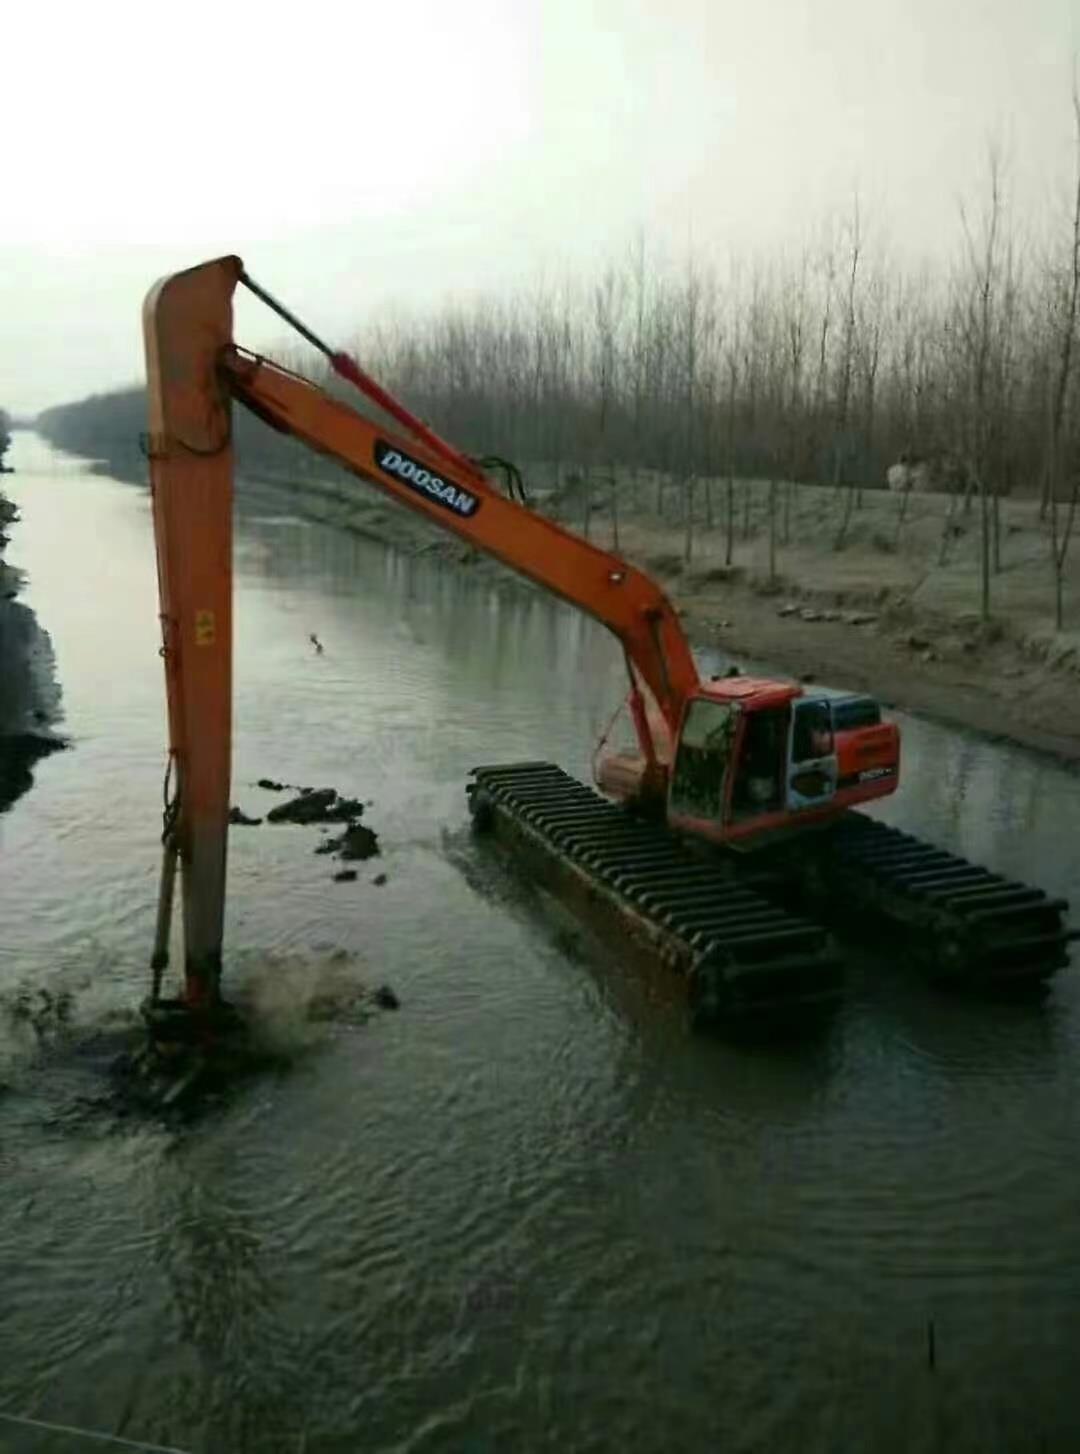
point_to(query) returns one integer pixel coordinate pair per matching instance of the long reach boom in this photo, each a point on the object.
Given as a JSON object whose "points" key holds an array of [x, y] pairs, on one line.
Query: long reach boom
{"points": [[195, 371]]}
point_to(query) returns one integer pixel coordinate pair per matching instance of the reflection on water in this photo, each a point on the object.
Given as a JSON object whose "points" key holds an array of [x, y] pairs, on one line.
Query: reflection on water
{"points": [[528, 1211]]}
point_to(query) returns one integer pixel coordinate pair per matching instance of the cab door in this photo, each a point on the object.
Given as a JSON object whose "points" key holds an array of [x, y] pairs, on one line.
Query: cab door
{"points": [[812, 763], [706, 749]]}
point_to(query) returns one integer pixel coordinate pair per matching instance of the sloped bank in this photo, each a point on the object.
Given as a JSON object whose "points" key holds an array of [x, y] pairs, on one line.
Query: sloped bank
{"points": [[29, 694]]}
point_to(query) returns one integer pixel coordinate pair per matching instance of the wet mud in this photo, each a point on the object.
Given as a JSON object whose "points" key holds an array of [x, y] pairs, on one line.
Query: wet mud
{"points": [[239, 819], [80, 1065], [321, 807], [357, 842], [317, 805]]}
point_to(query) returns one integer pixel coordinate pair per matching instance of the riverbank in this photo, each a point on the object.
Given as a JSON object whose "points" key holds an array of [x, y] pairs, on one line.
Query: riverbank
{"points": [[873, 617], [29, 698]]}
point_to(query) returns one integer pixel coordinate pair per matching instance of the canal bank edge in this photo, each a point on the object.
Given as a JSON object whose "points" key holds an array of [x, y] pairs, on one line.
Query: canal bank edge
{"points": [[29, 696]]}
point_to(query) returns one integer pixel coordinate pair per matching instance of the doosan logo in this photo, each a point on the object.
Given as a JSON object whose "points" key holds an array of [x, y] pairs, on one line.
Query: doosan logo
{"points": [[418, 477]]}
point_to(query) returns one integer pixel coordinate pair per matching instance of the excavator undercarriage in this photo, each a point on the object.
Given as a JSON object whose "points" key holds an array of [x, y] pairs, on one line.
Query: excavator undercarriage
{"points": [[751, 932]]}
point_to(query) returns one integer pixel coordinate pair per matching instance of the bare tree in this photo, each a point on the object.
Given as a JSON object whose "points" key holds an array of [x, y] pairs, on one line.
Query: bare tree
{"points": [[689, 328], [1066, 316], [732, 357], [607, 301], [870, 335], [841, 449], [816, 424], [638, 351], [977, 319], [795, 329]]}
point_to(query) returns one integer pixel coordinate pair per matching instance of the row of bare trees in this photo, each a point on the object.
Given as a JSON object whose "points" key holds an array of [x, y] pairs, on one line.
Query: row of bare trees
{"points": [[823, 365]]}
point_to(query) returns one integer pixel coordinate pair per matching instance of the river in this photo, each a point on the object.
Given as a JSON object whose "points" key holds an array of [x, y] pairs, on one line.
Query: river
{"points": [[528, 1211]]}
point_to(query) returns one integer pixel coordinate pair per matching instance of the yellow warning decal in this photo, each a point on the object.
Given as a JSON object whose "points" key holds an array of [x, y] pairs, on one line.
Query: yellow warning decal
{"points": [[205, 628]]}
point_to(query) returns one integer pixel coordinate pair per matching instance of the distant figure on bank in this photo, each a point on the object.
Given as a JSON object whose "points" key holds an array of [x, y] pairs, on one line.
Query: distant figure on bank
{"points": [[909, 473], [316, 643]]}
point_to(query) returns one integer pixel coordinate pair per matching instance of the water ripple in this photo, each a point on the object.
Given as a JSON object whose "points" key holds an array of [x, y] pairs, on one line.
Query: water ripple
{"points": [[528, 1211]]}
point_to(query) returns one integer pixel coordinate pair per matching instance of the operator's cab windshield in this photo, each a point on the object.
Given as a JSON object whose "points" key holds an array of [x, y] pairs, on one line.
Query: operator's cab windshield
{"points": [[705, 748], [786, 760]]}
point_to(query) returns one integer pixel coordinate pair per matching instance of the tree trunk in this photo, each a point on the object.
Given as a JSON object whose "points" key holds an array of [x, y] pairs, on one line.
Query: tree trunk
{"points": [[772, 530], [1061, 535], [688, 543], [984, 549], [946, 529], [849, 501], [730, 520], [905, 496], [845, 519]]}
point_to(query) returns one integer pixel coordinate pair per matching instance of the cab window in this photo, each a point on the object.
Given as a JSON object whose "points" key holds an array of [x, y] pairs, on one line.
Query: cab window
{"points": [[708, 736], [812, 732]]}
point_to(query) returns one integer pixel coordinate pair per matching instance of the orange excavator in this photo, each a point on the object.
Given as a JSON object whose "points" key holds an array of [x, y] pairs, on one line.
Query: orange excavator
{"points": [[737, 760]]}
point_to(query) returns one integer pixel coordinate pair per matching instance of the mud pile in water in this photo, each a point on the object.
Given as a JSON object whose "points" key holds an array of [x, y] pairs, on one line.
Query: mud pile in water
{"points": [[317, 805], [320, 806]]}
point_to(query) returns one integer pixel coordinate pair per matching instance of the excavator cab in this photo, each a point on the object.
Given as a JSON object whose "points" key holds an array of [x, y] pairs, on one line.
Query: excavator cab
{"points": [[732, 766], [754, 758]]}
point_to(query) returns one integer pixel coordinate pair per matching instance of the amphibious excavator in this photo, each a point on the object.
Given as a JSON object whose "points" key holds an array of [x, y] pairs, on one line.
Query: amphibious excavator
{"points": [[717, 841]]}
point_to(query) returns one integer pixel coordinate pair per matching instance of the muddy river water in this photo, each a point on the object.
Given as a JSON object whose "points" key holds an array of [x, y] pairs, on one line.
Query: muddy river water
{"points": [[529, 1210]]}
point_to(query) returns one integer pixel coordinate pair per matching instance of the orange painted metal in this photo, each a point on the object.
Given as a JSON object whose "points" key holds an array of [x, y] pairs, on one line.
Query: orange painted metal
{"points": [[597, 582], [864, 749], [187, 321]]}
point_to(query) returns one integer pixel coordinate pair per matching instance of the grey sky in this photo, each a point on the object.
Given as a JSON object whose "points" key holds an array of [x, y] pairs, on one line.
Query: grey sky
{"points": [[361, 154]]}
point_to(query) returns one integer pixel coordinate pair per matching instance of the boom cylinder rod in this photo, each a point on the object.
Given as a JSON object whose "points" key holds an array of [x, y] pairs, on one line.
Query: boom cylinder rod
{"points": [[346, 367], [162, 929]]}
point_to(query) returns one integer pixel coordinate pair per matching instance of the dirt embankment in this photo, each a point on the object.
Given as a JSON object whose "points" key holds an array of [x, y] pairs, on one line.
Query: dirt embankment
{"points": [[888, 611]]}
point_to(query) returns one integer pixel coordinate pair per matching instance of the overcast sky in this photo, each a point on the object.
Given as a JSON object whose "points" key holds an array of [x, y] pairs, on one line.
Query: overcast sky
{"points": [[363, 154]]}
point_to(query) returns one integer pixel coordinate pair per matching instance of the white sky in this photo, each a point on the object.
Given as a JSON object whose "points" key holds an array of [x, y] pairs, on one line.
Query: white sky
{"points": [[394, 151]]}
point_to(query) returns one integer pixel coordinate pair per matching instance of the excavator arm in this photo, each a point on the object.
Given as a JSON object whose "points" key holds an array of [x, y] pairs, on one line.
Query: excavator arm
{"points": [[465, 503], [195, 370]]}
